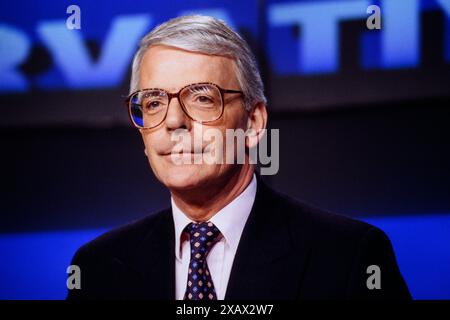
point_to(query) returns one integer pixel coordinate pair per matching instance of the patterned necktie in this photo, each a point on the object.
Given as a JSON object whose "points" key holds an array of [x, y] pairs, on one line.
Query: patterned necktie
{"points": [[200, 286]]}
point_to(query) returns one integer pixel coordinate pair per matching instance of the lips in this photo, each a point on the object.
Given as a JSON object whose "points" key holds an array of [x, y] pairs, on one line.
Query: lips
{"points": [[183, 153], [177, 150]]}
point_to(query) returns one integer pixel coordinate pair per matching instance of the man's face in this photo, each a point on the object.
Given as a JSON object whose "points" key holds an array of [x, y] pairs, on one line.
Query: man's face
{"points": [[171, 69]]}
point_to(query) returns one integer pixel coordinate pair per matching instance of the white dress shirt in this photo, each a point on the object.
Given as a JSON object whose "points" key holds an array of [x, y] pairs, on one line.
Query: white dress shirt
{"points": [[230, 220]]}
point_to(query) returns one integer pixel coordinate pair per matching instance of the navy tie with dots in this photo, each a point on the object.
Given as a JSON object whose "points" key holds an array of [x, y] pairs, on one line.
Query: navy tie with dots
{"points": [[200, 286]]}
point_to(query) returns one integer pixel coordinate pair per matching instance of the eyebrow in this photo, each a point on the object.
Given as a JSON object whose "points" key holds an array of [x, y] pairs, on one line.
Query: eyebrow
{"points": [[174, 89]]}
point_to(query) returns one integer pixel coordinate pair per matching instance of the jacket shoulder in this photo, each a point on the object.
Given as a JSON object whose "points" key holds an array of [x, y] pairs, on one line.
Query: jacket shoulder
{"points": [[320, 223], [342, 248], [118, 241]]}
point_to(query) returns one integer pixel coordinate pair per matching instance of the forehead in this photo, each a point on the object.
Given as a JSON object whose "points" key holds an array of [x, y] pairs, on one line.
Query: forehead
{"points": [[171, 69]]}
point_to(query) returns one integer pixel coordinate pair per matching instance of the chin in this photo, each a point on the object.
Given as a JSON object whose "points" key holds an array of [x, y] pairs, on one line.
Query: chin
{"points": [[186, 177]]}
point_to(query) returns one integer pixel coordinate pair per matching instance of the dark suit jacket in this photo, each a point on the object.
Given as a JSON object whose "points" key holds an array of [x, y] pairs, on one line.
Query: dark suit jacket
{"points": [[288, 250]]}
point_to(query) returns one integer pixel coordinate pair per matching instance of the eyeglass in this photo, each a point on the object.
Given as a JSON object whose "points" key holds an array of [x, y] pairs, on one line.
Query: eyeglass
{"points": [[201, 102]]}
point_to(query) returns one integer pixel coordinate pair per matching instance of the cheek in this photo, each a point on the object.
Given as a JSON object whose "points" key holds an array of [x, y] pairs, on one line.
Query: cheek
{"points": [[235, 117], [147, 146], [149, 142], [151, 138], [157, 163]]}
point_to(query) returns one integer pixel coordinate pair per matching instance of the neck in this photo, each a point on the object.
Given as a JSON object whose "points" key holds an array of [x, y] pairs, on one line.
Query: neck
{"points": [[203, 203]]}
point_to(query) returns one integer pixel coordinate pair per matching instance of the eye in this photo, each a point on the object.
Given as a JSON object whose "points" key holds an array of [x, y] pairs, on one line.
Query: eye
{"points": [[153, 104], [204, 99], [153, 100]]}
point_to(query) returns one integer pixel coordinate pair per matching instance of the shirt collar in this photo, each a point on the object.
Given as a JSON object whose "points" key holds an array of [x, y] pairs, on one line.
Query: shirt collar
{"points": [[230, 220]]}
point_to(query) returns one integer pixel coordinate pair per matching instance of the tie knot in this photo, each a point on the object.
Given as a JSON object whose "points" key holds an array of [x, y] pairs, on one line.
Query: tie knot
{"points": [[202, 237]]}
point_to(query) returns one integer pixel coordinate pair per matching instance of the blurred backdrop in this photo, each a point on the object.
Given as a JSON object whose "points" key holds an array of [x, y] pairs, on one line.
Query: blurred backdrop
{"points": [[364, 120]]}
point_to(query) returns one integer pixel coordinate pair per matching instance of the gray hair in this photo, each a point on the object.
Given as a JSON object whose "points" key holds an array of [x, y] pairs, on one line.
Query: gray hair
{"points": [[208, 35]]}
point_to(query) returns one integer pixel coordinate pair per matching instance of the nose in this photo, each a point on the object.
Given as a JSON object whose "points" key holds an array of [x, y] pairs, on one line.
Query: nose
{"points": [[176, 118]]}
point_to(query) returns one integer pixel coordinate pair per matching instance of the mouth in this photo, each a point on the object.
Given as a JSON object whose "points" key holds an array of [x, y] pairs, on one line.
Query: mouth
{"points": [[186, 152], [182, 153]]}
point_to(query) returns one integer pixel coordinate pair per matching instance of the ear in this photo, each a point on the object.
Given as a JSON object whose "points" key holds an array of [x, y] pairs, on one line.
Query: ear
{"points": [[256, 124]]}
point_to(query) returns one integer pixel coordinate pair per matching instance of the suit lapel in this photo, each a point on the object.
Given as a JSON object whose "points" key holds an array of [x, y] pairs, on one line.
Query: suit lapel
{"points": [[154, 259], [266, 265]]}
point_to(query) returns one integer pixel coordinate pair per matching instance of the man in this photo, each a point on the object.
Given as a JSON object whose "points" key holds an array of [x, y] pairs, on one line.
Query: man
{"points": [[227, 235]]}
